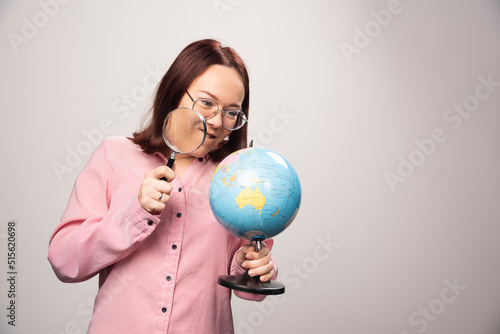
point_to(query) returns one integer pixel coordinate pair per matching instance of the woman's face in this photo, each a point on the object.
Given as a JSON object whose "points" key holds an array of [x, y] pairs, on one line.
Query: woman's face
{"points": [[223, 85]]}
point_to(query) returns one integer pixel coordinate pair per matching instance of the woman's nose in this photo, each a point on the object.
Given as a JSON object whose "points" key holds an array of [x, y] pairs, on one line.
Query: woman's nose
{"points": [[216, 121]]}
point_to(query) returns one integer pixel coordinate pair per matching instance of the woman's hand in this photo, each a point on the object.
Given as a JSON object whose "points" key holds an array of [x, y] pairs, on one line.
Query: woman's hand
{"points": [[258, 263], [154, 192]]}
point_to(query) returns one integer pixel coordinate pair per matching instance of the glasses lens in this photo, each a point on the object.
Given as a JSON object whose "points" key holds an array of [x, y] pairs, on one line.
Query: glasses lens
{"points": [[206, 107], [233, 119]]}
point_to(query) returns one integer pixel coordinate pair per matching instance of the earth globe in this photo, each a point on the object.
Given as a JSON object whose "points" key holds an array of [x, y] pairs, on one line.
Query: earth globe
{"points": [[254, 194]]}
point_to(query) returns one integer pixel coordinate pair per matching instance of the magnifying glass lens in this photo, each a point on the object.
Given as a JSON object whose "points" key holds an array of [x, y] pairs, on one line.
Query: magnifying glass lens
{"points": [[184, 131]]}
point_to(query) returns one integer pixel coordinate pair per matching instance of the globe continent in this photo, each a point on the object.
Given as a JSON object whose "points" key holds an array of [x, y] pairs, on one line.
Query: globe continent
{"points": [[255, 193]]}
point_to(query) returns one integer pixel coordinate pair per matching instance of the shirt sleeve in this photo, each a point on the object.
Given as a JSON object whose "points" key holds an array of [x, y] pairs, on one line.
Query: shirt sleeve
{"points": [[237, 270], [93, 234]]}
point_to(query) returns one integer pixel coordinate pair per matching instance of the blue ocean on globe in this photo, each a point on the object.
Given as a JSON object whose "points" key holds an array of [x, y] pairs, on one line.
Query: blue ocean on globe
{"points": [[255, 193]]}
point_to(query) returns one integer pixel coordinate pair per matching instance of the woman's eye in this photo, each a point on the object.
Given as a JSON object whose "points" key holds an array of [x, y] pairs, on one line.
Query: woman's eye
{"points": [[232, 113], [207, 103]]}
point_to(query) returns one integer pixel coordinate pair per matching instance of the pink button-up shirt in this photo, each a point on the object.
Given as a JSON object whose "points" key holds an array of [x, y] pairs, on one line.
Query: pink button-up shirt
{"points": [[157, 273]]}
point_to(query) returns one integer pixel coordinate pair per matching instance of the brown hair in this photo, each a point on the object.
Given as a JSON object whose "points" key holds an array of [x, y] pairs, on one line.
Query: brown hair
{"points": [[189, 64]]}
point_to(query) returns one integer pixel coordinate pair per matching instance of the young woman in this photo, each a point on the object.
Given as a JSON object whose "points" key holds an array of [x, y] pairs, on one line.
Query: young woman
{"points": [[156, 246]]}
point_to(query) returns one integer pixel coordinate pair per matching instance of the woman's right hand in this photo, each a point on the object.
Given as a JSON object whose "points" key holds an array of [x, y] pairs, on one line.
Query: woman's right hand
{"points": [[154, 192]]}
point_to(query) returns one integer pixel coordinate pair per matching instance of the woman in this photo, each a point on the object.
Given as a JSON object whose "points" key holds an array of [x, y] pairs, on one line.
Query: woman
{"points": [[156, 245]]}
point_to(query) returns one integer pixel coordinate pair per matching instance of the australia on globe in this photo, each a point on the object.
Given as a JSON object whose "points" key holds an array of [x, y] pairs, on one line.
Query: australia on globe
{"points": [[255, 193]]}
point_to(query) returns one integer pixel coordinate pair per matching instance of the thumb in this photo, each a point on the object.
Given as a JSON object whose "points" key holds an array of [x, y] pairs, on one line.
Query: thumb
{"points": [[241, 255]]}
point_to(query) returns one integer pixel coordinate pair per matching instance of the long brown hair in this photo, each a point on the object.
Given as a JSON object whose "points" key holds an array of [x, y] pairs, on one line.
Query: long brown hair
{"points": [[189, 64]]}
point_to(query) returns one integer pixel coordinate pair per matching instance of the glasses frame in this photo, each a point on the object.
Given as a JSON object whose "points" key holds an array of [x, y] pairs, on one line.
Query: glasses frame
{"points": [[223, 112]]}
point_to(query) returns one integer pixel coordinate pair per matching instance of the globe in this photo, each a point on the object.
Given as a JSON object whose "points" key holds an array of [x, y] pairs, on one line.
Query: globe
{"points": [[255, 193]]}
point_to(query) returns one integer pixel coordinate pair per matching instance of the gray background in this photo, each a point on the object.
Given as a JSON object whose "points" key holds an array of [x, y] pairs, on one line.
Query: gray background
{"points": [[418, 255]]}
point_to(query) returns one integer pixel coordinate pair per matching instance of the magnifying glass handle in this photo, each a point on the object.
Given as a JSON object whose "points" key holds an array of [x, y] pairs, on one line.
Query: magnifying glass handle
{"points": [[170, 163], [171, 160]]}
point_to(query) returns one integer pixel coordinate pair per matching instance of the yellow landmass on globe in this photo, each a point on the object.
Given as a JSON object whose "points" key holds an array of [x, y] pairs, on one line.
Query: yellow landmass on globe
{"points": [[251, 197], [231, 179]]}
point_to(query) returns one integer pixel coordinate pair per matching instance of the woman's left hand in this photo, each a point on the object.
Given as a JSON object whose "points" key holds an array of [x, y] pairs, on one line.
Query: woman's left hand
{"points": [[258, 263]]}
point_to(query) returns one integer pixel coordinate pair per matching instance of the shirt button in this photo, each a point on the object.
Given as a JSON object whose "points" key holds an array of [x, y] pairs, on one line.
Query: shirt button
{"points": [[180, 189], [169, 278], [174, 246], [200, 159], [164, 309], [150, 222], [179, 215]]}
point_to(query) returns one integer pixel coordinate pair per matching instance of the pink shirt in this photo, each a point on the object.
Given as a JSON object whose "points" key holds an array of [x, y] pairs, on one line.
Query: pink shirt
{"points": [[157, 273]]}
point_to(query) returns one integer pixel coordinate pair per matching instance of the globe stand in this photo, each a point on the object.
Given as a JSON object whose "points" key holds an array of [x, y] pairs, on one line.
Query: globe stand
{"points": [[245, 283]]}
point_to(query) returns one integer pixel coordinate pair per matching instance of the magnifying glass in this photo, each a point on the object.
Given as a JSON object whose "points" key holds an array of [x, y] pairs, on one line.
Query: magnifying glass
{"points": [[184, 131]]}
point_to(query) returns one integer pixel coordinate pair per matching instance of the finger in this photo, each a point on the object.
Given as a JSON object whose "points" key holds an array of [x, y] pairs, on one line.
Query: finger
{"points": [[248, 248], [241, 254], [251, 264], [253, 255], [156, 190], [163, 172], [267, 277], [153, 207], [161, 187], [262, 271], [163, 197], [245, 249], [152, 200]]}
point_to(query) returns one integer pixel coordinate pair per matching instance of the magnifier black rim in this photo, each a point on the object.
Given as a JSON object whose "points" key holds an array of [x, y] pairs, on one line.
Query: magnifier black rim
{"points": [[165, 137]]}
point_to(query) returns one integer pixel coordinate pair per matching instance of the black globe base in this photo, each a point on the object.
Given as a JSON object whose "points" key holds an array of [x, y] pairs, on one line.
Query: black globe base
{"points": [[245, 283]]}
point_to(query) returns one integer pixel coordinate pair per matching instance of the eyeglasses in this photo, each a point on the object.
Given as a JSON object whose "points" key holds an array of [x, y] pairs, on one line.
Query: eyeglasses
{"points": [[232, 119]]}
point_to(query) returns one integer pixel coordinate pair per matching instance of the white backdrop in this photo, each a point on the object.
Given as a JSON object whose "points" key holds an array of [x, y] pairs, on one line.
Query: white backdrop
{"points": [[389, 111]]}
